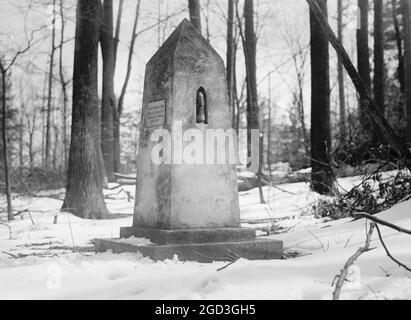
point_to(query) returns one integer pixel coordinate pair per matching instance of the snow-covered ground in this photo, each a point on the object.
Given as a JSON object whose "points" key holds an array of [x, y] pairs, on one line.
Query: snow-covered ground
{"points": [[43, 260]]}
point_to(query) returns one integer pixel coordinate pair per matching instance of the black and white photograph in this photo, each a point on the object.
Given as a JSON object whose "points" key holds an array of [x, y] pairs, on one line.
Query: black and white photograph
{"points": [[229, 151]]}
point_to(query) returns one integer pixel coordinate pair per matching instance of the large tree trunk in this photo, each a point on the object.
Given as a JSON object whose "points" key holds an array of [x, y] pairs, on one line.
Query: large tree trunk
{"points": [[5, 144], [195, 15], [379, 76], [322, 174], [50, 88], [107, 50], [363, 61], [340, 70], [84, 195], [406, 7], [253, 110]]}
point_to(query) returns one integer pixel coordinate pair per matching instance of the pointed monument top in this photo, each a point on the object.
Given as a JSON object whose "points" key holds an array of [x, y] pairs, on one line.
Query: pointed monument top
{"points": [[185, 40]]}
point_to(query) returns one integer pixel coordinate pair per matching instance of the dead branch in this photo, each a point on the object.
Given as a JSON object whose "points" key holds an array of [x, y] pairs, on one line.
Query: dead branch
{"points": [[343, 274], [6, 225], [388, 252], [227, 265], [382, 222]]}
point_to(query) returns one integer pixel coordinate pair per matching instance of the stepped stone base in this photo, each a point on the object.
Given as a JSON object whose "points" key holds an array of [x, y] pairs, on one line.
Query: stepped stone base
{"points": [[200, 252], [188, 236]]}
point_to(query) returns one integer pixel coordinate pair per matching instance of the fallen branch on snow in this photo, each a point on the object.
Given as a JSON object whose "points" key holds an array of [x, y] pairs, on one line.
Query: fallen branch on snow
{"points": [[382, 222], [343, 274], [388, 252]]}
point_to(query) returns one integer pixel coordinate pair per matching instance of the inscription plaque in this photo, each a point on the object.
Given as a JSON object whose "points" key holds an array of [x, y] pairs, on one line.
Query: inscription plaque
{"points": [[155, 114]]}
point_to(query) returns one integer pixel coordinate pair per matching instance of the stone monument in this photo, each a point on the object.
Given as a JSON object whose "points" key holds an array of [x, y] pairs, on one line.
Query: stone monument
{"points": [[187, 205]]}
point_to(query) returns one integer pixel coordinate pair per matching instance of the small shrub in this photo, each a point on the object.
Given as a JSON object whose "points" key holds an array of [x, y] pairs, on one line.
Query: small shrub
{"points": [[372, 196]]}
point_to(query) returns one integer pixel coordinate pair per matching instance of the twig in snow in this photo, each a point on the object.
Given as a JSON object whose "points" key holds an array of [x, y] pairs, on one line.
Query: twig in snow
{"points": [[227, 265], [6, 225], [343, 274], [387, 274], [10, 254], [348, 241], [322, 245]]}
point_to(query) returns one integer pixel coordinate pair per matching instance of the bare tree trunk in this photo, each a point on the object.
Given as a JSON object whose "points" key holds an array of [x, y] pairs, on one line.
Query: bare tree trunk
{"points": [[31, 121], [195, 15], [253, 110], [230, 55], [379, 74], [43, 121], [269, 126], [5, 144], [108, 104], [116, 118], [84, 195], [117, 32], [50, 88], [399, 45], [119, 109], [56, 144], [321, 171], [341, 88], [63, 88], [406, 7], [21, 140], [363, 60]]}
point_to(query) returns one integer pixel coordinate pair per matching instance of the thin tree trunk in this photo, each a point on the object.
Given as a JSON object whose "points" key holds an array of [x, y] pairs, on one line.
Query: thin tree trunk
{"points": [[363, 60], [84, 195], [341, 88], [119, 109], [117, 32], [56, 144], [253, 110], [269, 126], [43, 121], [371, 108], [406, 7], [116, 118], [321, 171], [230, 55], [399, 45], [50, 88], [21, 140], [31, 128], [63, 88], [195, 15], [379, 75], [5, 145], [108, 105]]}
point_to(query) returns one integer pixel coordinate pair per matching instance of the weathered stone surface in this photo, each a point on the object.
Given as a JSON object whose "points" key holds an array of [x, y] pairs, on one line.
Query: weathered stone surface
{"points": [[184, 196], [185, 236], [205, 253]]}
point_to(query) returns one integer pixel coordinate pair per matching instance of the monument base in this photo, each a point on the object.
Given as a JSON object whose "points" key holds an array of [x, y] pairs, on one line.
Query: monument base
{"points": [[187, 236], [201, 252]]}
